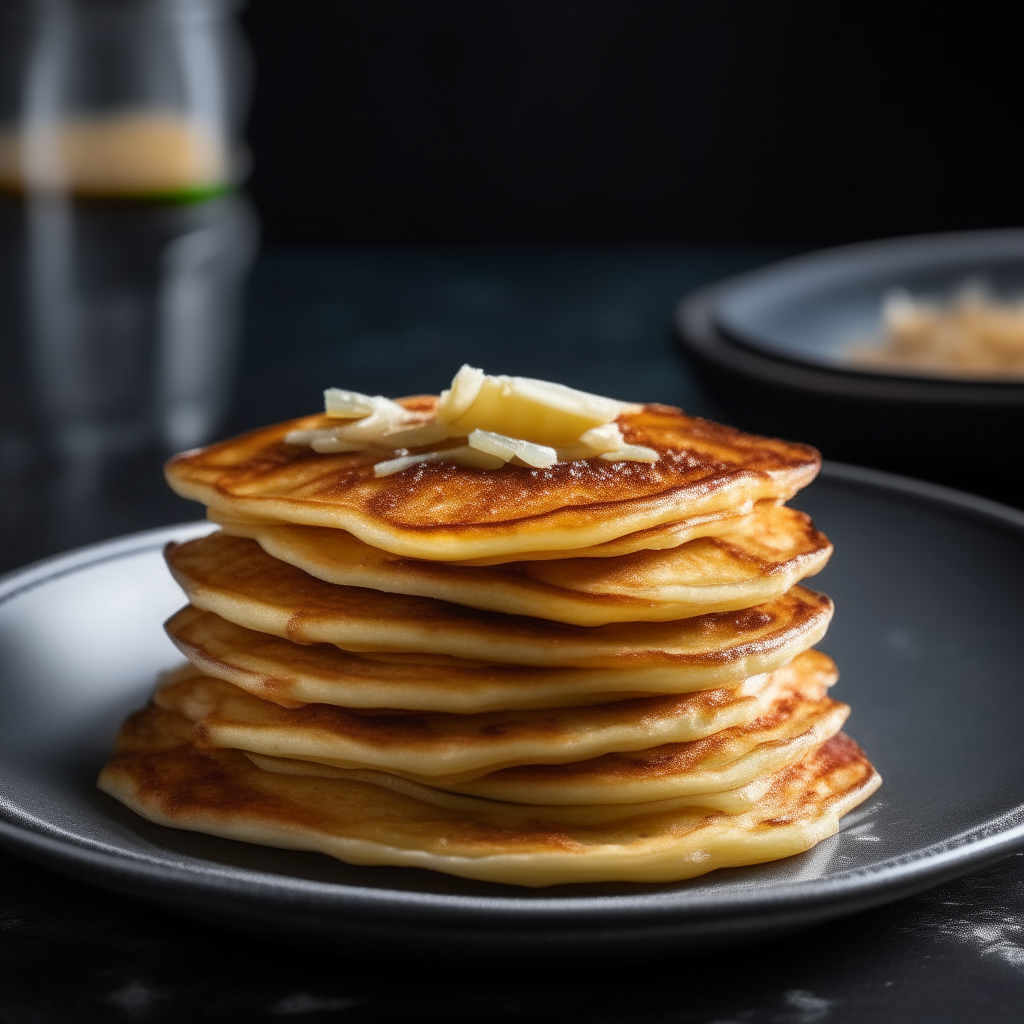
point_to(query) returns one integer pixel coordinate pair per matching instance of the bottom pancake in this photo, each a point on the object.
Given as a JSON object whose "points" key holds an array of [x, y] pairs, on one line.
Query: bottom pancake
{"points": [[221, 792]]}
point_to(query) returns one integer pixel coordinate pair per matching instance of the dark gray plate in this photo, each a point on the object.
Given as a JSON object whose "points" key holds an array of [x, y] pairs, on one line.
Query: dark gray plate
{"points": [[927, 635], [813, 308]]}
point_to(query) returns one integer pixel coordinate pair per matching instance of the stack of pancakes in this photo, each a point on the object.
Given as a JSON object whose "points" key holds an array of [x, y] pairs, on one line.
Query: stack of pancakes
{"points": [[596, 671]]}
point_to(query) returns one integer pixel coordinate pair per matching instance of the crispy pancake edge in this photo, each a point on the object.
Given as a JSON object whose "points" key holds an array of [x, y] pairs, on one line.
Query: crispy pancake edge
{"points": [[222, 793], [234, 578], [597, 501]]}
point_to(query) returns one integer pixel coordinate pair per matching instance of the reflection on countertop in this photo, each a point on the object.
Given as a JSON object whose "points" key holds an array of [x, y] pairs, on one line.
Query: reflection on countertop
{"points": [[121, 324]]}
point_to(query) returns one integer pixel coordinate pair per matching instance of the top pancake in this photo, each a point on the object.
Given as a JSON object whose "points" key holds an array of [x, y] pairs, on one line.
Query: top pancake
{"points": [[447, 512]]}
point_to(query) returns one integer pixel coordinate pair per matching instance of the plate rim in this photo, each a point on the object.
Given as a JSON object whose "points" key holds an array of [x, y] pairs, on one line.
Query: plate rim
{"points": [[169, 883]]}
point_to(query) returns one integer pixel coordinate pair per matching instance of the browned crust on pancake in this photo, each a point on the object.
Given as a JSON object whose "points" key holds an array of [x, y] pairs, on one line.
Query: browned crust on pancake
{"points": [[443, 743], [221, 573], [760, 559], [656, 538], [837, 763], [258, 474], [773, 541], [185, 778], [221, 792], [391, 727], [292, 674], [804, 699]]}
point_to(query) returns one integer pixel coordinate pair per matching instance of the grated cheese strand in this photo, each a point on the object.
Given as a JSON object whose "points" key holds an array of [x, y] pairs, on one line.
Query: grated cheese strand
{"points": [[632, 453], [538, 456], [462, 456]]}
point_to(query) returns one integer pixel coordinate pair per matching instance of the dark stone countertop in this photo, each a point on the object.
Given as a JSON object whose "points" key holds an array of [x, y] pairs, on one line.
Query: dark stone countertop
{"points": [[398, 321]]}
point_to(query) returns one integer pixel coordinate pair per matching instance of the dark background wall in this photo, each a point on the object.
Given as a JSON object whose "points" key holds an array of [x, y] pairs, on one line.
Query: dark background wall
{"points": [[633, 120]]}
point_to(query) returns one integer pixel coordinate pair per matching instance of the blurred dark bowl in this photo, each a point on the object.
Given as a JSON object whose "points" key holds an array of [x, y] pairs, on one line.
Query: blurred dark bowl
{"points": [[767, 347]]}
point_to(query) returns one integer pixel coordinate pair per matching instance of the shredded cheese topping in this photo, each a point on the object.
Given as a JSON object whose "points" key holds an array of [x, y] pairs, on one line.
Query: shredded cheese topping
{"points": [[503, 420]]}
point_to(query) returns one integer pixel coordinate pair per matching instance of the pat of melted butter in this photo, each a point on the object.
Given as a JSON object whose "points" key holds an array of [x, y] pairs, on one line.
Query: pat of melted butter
{"points": [[531, 410]]}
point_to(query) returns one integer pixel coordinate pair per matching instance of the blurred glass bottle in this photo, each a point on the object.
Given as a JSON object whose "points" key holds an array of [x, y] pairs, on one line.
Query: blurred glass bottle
{"points": [[124, 243]]}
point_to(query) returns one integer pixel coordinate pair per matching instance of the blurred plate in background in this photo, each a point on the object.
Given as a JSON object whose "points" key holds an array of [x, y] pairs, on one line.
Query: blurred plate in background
{"points": [[813, 309], [771, 349]]}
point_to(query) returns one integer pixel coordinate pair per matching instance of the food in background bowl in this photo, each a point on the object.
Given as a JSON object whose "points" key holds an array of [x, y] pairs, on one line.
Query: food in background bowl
{"points": [[515, 633], [971, 335]]}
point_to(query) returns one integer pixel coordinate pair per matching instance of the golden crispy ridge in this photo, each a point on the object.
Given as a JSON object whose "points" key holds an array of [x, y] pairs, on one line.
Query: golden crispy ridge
{"points": [[437, 743], [450, 513], [797, 721], [291, 674], [222, 793], [757, 561], [153, 728], [657, 538], [234, 578], [733, 801]]}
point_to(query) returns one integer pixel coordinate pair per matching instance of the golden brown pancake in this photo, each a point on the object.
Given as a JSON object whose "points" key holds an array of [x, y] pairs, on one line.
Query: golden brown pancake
{"points": [[153, 728], [450, 513], [732, 801], [291, 674], [234, 578], [221, 792], [432, 743], [759, 560], [595, 671], [794, 724], [657, 538]]}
